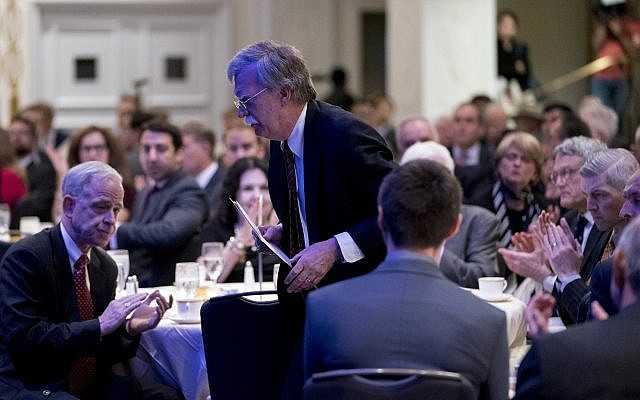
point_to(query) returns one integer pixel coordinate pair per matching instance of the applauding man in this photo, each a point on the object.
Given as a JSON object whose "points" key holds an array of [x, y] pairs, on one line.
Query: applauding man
{"points": [[61, 328]]}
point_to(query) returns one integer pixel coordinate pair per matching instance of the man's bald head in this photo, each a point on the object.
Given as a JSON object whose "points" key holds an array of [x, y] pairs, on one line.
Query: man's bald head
{"points": [[414, 130]]}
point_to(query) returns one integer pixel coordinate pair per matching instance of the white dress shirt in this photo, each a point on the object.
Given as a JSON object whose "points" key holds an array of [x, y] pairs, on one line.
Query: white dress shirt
{"points": [[348, 247], [205, 176], [74, 253], [472, 154]]}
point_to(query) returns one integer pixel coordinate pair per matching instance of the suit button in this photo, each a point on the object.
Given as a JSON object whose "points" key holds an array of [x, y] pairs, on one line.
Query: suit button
{"points": [[46, 392]]}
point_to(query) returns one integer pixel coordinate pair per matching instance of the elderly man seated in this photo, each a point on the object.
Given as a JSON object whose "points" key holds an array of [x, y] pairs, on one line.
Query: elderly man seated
{"points": [[472, 252], [597, 360], [406, 314], [62, 330]]}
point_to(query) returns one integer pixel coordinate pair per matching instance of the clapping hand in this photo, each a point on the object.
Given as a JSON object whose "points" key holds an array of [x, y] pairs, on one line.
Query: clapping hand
{"points": [[116, 312], [527, 257], [538, 312], [561, 249], [147, 316]]}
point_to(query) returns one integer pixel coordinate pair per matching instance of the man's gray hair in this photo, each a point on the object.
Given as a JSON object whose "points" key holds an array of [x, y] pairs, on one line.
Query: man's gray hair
{"points": [[580, 146], [81, 176], [618, 165], [629, 243], [278, 65], [429, 151]]}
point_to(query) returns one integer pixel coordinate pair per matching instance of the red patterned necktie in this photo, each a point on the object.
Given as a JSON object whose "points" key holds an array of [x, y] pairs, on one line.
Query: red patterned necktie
{"points": [[82, 376], [296, 236]]}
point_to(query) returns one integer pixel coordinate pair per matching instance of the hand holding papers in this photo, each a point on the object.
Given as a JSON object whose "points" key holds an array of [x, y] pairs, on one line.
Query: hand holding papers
{"points": [[261, 242]]}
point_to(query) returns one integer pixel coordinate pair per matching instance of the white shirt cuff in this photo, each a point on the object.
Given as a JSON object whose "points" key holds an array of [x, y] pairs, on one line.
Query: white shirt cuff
{"points": [[549, 283], [349, 249], [567, 280]]}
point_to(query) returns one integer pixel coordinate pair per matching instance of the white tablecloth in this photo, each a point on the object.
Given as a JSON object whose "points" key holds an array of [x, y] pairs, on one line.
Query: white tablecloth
{"points": [[516, 325], [173, 353]]}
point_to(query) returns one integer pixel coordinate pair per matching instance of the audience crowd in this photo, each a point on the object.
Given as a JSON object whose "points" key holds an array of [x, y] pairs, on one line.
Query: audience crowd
{"points": [[549, 203]]}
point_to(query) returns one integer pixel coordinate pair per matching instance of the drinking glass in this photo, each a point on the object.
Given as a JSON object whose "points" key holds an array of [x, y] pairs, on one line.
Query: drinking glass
{"points": [[186, 280], [29, 225], [5, 219], [212, 259], [121, 258]]}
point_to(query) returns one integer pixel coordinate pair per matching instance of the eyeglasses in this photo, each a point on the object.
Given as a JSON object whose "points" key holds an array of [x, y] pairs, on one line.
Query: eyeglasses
{"points": [[98, 148], [242, 104], [563, 174]]}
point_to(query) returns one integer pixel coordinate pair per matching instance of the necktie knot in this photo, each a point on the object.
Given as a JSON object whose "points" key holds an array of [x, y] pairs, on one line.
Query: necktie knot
{"points": [[81, 263]]}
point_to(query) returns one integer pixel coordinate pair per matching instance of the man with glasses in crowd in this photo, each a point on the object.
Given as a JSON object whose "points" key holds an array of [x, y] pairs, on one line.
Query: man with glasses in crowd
{"points": [[324, 173]]}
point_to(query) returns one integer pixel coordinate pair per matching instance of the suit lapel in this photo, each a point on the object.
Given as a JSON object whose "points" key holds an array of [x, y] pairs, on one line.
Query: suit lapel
{"points": [[312, 166], [594, 247], [63, 270], [97, 278]]}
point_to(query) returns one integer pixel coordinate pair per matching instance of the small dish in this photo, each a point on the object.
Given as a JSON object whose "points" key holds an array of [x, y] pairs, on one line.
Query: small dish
{"points": [[180, 320], [493, 297]]}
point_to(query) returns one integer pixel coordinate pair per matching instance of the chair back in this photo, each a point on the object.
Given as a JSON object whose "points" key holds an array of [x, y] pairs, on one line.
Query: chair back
{"points": [[388, 384], [245, 346]]}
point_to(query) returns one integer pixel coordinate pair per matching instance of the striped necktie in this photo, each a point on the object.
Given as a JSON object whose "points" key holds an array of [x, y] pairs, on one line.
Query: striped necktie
{"points": [[296, 236]]}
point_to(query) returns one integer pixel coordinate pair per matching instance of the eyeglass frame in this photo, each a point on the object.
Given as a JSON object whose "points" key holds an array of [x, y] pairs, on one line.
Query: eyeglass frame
{"points": [[564, 173], [242, 104]]}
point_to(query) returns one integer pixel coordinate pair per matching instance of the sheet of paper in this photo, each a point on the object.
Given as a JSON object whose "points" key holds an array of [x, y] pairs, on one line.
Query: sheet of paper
{"points": [[274, 249]]}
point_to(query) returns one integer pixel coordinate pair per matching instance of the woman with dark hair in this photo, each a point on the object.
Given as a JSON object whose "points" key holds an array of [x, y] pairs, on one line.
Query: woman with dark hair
{"points": [[95, 143], [12, 184], [245, 182]]}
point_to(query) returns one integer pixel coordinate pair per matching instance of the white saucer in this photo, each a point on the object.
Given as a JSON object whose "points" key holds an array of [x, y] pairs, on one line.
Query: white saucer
{"points": [[180, 320], [493, 298]]}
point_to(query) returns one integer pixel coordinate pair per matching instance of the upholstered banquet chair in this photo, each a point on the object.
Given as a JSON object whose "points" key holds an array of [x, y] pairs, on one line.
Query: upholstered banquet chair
{"points": [[245, 346], [388, 384]]}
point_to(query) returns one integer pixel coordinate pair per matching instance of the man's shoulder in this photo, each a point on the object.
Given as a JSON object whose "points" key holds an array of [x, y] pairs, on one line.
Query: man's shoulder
{"points": [[478, 214]]}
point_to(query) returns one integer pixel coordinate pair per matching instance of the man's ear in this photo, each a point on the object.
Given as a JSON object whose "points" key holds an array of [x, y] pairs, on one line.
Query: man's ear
{"points": [[68, 204], [285, 96], [620, 268], [456, 227]]}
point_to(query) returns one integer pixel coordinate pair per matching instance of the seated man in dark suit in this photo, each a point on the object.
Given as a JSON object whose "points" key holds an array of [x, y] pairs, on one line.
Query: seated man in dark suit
{"points": [[62, 330], [604, 175], [42, 115], [406, 314], [41, 176], [473, 157], [472, 252], [199, 144], [596, 360], [168, 214]]}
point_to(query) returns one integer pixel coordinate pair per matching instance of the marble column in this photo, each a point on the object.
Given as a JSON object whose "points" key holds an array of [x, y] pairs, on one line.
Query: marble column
{"points": [[439, 54]]}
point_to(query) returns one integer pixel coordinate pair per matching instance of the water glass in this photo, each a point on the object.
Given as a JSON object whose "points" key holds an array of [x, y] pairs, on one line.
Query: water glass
{"points": [[5, 219], [29, 225], [121, 258], [186, 280], [212, 259]]}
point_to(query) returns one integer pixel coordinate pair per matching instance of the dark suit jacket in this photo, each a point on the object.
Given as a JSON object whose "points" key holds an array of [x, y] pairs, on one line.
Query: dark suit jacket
{"points": [[477, 180], [164, 230], [213, 187], [41, 182], [345, 161], [41, 332], [406, 314], [597, 360], [571, 301], [472, 252]]}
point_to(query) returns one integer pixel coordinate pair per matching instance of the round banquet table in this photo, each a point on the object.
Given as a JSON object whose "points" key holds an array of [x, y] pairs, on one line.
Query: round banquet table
{"points": [[173, 353]]}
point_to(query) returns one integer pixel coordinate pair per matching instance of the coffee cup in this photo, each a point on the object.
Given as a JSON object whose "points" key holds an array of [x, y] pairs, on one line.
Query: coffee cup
{"points": [[492, 285], [188, 308]]}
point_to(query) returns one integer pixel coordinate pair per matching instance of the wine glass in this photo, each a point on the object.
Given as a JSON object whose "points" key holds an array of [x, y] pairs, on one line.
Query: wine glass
{"points": [[121, 258], [212, 259], [187, 280]]}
